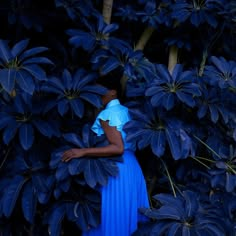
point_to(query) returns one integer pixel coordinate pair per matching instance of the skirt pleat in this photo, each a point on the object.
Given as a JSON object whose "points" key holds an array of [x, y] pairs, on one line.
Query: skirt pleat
{"points": [[121, 199]]}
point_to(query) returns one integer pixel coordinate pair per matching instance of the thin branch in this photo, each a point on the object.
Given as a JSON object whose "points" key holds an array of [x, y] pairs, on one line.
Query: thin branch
{"points": [[5, 157], [196, 159], [173, 58], [146, 35], [203, 63], [107, 10], [208, 147], [169, 177]]}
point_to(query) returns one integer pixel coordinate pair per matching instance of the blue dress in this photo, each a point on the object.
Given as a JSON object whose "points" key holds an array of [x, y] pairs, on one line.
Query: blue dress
{"points": [[127, 192]]}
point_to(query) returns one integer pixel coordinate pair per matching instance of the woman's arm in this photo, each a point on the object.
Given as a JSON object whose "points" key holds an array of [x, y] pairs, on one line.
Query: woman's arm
{"points": [[115, 146]]}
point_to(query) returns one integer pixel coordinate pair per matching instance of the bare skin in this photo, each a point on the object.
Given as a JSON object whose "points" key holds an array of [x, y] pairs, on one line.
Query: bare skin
{"points": [[115, 146]]}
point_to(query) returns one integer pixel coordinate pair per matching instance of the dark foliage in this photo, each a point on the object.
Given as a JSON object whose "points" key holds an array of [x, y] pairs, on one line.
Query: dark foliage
{"points": [[183, 119]]}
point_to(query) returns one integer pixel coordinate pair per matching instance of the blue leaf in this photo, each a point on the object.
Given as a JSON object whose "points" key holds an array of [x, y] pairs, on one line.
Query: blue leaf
{"points": [[5, 120], [10, 131], [55, 220], [143, 138], [77, 107], [43, 198], [56, 157], [230, 182], [214, 113], [43, 127], [36, 71], [86, 41], [88, 174], [32, 52], [174, 229], [158, 143], [25, 82], [168, 101], [67, 79], [74, 138], [92, 99], [40, 182], [168, 212], [86, 135], [28, 202], [191, 205], [77, 166], [11, 194], [5, 53], [110, 28], [7, 79], [173, 143], [186, 230], [26, 136], [37, 60], [62, 172], [62, 106], [111, 64], [19, 47], [65, 185]]}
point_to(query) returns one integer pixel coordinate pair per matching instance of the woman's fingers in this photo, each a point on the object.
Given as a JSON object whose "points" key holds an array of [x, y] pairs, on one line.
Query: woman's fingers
{"points": [[72, 153], [68, 155]]}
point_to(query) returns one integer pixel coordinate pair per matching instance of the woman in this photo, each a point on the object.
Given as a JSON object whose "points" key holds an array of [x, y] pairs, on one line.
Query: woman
{"points": [[124, 194]]}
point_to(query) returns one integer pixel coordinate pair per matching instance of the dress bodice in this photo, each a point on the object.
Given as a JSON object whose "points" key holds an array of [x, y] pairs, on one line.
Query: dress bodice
{"points": [[117, 115]]}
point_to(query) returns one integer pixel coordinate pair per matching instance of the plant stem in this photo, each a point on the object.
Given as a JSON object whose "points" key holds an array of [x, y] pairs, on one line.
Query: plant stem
{"points": [[205, 159], [146, 35], [203, 63], [107, 10], [5, 157], [173, 58], [169, 177], [230, 168], [208, 147], [196, 159]]}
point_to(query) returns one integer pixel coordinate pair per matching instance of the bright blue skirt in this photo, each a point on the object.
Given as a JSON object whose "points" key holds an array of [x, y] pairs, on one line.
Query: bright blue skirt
{"points": [[121, 198]]}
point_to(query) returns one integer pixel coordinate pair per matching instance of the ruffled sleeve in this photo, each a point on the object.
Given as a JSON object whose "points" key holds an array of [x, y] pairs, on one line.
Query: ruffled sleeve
{"points": [[116, 117]]}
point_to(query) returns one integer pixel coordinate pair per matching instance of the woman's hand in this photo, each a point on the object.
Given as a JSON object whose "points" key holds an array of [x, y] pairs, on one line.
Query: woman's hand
{"points": [[73, 153]]}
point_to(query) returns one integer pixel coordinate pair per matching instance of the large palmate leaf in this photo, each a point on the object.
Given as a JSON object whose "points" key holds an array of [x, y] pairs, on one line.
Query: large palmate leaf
{"points": [[73, 91], [26, 14], [221, 73], [83, 209], [20, 67], [223, 173], [11, 194], [120, 55], [216, 103], [96, 35], [168, 89], [24, 116], [95, 170], [27, 182], [156, 13], [183, 215], [76, 9], [197, 12], [28, 202], [156, 129]]}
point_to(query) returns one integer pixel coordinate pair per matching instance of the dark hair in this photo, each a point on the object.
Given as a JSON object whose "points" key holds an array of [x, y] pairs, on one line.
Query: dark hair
{"points": [[110, 81]]}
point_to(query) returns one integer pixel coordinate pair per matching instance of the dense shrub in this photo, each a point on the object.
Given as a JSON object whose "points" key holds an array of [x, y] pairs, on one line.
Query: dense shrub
{"points": [[176, 63]]}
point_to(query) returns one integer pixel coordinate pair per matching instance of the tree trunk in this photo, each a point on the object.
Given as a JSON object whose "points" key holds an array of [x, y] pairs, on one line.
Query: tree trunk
{"points": [[146, 35], [107, 10], [173, 58]]}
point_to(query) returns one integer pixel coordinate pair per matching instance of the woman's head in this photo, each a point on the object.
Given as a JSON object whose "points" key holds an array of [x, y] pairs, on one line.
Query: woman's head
{"points": [[112, 83]]}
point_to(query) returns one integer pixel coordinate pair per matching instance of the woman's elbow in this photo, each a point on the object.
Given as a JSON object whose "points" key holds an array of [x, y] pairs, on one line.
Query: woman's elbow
{"points": [[120, 149]]}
